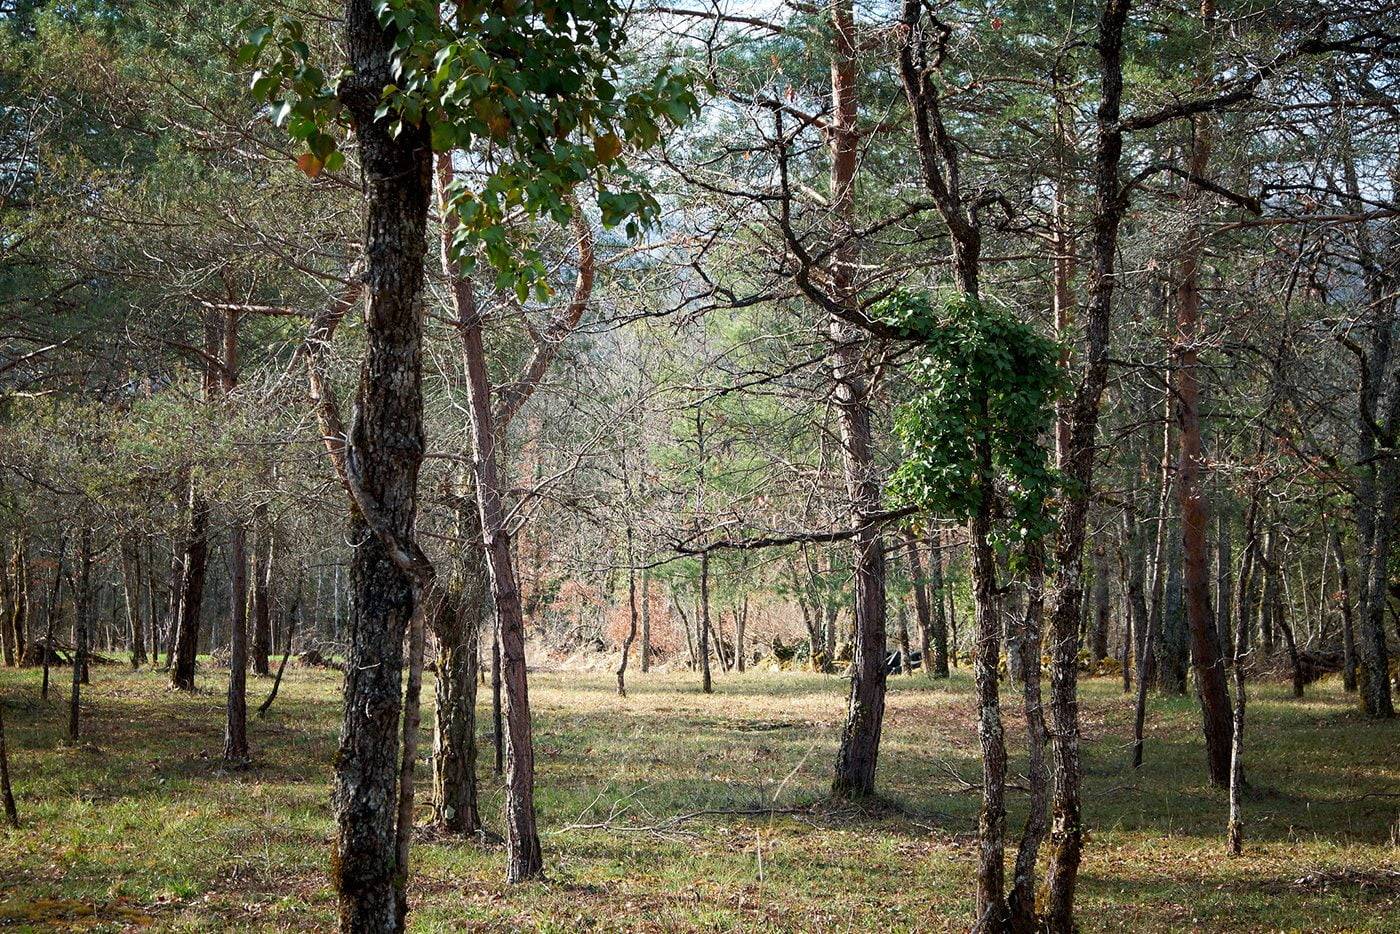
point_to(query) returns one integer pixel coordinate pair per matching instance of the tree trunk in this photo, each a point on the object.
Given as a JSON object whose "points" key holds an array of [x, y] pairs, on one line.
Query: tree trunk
{"points": [[1374, 670], [1098, 635], [1344, 598], [631, 618], [906, 666], [860, 736], [385, 448], [236, 721], [7, 795], [646, 622], [524, 859], [702, 635], [186, 627], [82, 618], [1067, 833], [52, 609], [991, 821], [1172, 648], [457, 628], [741, 622], [1248, 562], [261, 642], [131, 591], [935, 656], [1022, 901]]}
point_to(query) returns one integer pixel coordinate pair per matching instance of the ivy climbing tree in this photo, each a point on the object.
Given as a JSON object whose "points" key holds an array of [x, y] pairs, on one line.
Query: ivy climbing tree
{"points": [[973, 438]]}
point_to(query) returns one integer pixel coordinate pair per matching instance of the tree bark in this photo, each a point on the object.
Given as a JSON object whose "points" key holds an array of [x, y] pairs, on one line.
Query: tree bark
{"points": [[384, 452], [186, 638], [457, 628], [1067, 833], [1021, 904], [865, 709], [236, 720]]}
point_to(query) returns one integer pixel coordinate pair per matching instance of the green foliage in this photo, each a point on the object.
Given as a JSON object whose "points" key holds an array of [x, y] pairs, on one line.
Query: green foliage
{"points": [[530, 89], [983, 379]]}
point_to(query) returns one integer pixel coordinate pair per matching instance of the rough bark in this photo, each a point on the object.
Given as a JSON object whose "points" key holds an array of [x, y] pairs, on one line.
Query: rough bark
{"points": [[52, 609], [1067, 832], [1173, 641], [858, 751], [1021, 904], [457, 629], [991, 821]]}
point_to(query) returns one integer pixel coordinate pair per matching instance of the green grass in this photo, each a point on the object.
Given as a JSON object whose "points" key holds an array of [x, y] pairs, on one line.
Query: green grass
{"points": [[140, 827]]}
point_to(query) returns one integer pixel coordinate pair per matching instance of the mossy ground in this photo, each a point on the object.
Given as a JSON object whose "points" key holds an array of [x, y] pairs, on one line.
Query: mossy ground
{"points": [[139, 826]]}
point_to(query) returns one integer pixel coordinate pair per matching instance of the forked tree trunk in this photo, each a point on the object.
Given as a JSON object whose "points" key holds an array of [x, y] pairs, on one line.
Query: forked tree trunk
{"points": [[386, 448]]}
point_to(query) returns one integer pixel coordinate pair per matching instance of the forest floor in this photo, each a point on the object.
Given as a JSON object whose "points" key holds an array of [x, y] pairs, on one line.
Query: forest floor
{"points": [[139, 826]]}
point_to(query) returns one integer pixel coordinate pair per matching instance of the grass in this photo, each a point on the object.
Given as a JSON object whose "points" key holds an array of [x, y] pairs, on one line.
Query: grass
{"points": [[139, 827]]}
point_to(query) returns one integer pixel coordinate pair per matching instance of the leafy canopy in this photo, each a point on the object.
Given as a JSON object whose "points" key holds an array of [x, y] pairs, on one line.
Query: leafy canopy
{"points": [[982, 378], [530, 88]]}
